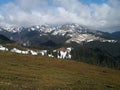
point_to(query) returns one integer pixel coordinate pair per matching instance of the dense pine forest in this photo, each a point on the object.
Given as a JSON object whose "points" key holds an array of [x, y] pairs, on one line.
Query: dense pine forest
{"points": [[103, 54]]}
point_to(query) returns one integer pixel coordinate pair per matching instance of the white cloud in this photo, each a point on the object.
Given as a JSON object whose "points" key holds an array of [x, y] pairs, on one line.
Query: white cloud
{"points": [[114, 3], [1, 17], [33, 12]]}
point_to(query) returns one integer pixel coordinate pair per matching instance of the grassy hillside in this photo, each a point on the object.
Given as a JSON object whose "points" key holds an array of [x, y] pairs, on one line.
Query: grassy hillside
{"points": [[26, 72]]}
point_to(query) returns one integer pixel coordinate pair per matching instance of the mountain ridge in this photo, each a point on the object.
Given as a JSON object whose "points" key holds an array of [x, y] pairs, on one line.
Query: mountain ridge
{"points": [[65, 34]]}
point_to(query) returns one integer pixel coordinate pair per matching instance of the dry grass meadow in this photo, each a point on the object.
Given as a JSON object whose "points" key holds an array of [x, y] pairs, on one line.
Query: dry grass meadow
{"points": [[27, 72]]}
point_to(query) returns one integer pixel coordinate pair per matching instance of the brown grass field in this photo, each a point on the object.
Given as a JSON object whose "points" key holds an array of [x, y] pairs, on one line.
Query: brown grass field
{"points": [[27, 72]]}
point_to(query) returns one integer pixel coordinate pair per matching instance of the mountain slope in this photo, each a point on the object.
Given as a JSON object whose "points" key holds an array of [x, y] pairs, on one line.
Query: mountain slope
{"points": [[60, 34], [116, 35], [26, 72], [99, 53], [4, 39]]}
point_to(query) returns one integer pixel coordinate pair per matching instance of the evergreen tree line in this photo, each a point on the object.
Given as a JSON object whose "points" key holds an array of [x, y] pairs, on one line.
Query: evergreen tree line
{"points": [[103, 54]]}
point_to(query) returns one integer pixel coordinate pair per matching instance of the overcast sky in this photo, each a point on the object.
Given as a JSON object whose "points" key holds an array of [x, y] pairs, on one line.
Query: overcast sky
{"points": [[97, 14]]}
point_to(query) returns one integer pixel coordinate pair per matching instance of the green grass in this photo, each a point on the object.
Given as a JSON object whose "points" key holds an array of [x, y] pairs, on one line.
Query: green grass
{"points": [[26, 72]]}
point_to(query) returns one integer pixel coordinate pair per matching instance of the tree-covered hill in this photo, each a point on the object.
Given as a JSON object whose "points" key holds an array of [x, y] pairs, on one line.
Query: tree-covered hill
{"points": [[99, 53]]}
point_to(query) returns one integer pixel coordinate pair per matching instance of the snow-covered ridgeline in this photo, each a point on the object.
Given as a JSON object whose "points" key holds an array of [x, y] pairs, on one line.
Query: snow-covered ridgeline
{"points": [[15, 50], [62, 54], [74, 32], [3, 48]]}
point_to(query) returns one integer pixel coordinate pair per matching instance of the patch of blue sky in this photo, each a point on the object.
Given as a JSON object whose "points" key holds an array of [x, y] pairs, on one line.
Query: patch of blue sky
{"points": [[2, 2], [88, 2]]}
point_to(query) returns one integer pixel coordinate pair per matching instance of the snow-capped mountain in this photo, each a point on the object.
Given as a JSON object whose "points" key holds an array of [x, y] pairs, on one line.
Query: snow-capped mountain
{"points": [[59, 34], [56, 30], [12, 29]]}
